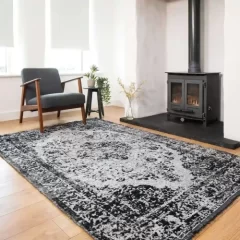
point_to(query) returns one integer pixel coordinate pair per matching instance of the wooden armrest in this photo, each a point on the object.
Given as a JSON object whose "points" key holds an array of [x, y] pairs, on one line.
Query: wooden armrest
{"points": [[29, 82], [74, 79], [70, 80]]}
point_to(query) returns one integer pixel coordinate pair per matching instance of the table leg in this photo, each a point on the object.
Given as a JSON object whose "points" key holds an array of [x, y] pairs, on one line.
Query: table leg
{"points": [[102, 108], [99, 104], [87, 106], [90, 103]]}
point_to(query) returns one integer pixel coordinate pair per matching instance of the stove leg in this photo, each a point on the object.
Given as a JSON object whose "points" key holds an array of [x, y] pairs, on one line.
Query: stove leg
{"points": [[205, 124], [168, 117]]}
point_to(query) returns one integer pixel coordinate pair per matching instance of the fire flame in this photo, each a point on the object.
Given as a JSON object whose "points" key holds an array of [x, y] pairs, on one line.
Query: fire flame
{"points": [[194, 101]]}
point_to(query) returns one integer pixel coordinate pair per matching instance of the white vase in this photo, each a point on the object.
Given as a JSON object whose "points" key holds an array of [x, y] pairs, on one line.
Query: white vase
{"points": [[91, 83]]}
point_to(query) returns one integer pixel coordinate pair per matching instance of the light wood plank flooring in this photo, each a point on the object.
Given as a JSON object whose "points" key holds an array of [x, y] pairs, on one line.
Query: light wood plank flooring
{"points": [[25, 214]]}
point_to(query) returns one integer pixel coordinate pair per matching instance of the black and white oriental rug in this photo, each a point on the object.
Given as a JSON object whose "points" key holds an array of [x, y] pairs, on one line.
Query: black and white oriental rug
{"points": [[120, 183]]}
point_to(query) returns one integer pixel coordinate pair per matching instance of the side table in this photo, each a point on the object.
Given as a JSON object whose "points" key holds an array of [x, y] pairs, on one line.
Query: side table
{"points": [[100, 109]]}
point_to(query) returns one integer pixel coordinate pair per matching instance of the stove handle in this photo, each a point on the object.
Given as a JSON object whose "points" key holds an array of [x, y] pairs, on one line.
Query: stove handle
{"points": [[177, 110], [183, 111]]}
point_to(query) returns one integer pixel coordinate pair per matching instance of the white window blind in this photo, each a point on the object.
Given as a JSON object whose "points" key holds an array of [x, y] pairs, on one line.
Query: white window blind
{"points": [[30, 32], [69, 24], [6, 23]]}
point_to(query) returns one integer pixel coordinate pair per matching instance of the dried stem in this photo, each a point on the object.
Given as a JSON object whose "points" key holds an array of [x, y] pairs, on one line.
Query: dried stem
{"points": [[131, 91]]}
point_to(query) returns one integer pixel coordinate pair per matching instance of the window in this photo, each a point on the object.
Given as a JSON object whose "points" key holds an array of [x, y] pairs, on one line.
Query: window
{"points": [[88, 60], [12, 57], [68, 60], [65, 60], [3, 60]]}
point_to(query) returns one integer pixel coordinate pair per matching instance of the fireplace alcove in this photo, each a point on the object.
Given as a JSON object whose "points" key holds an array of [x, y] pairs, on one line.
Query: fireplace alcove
{"points": [[196, 98], [193, 96]]}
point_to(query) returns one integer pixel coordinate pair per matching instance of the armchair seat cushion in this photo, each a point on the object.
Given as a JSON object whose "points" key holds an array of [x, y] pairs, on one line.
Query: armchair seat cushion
{"points": [[56, 100]]}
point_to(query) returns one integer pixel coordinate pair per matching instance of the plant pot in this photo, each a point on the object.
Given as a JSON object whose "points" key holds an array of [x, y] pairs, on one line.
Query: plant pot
{"points": [[91, 83]]}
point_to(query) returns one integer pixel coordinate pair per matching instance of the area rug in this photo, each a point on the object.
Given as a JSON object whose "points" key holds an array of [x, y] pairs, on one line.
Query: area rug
{"points": [[120, 183]]}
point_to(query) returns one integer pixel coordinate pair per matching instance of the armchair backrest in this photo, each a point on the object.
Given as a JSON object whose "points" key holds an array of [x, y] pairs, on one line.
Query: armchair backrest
{"points": [[50, 81]]}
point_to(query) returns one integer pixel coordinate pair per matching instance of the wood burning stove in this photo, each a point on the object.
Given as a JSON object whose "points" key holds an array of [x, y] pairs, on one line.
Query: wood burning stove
{"points": [[194, 94]]}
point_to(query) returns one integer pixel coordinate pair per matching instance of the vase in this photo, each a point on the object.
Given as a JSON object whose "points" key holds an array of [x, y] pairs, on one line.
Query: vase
{"points": [[129, 112], [91, 83]]}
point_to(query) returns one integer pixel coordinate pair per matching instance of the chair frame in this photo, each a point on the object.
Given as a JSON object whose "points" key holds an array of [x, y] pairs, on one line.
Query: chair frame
{"points": [[38, 107]]}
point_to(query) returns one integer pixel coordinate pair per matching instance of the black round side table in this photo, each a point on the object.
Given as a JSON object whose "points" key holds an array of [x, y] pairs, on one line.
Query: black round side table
{"points": [[99, 100]]}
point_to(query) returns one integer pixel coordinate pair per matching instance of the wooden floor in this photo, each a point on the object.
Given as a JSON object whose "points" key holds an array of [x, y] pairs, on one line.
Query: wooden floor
{"points": [[25, 214]]}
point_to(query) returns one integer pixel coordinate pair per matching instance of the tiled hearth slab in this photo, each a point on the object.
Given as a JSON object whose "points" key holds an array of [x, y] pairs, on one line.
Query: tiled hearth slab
{"points": [[212, 134]]}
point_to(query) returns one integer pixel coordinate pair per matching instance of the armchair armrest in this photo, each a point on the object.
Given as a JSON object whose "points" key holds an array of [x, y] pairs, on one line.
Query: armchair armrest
{"points": [[70, 80], [74, 79], [29, 82]]}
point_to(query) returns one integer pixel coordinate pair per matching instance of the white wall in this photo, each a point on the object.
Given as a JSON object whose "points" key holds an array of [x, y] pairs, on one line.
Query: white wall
{"points": [[151, 56], [102, 38], [177, 35], [231, 70], [212, 37], [113, 42], [128, 37], [125, 45], [131, 45]]}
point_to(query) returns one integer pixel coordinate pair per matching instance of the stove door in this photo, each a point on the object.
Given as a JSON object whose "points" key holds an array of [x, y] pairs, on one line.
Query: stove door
{"points": [[194, 98], [175, 95]]}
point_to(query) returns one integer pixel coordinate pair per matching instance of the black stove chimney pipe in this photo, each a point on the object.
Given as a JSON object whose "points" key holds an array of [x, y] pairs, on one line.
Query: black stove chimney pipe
{"points": [[194, 31]]}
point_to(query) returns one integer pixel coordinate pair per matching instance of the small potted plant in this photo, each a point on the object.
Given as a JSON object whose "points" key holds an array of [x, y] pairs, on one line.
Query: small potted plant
{"points": [[131, 93], [100, 82], [92, 76]]}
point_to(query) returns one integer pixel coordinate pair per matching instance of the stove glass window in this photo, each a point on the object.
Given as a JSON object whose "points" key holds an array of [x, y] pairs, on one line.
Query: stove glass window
{"points": [[193, 94], [176, 94]]}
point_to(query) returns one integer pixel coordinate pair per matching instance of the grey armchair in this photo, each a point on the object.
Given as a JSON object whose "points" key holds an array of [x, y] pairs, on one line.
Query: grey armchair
{"points": [[43, 91]]}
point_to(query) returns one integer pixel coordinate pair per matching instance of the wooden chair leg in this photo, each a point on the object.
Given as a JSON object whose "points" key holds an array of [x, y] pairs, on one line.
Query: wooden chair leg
{"points": [[22, 104], [58, 114], [21, 117], [40, 116], [84, 116]]}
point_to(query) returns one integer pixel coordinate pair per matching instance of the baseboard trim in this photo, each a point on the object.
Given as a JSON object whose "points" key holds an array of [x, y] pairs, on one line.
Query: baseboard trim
{"points": [[14, 115]]}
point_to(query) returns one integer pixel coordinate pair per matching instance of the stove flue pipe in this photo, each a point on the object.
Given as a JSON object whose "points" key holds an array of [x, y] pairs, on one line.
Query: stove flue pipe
{"points": [[194, 31]]}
